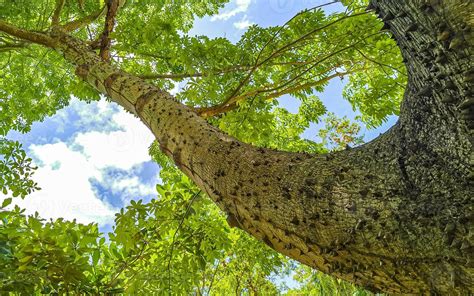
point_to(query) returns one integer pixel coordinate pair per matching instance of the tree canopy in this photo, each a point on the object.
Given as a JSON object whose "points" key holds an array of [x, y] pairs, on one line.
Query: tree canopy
{"points": [[180, 242]]}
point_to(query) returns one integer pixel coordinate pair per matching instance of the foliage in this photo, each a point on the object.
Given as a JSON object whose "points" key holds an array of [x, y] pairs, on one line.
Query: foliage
{"points": [[15, 170], [316, 283], [149, 250], [340, 133], [179, 242], [47, 257]]}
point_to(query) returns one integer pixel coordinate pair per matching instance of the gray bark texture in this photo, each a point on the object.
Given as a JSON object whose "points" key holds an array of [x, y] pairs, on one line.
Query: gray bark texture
{"points": [[394, 215]]}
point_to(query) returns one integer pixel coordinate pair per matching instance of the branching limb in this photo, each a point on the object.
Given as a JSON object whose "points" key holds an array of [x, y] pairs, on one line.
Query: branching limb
{"points": [[233, 101], [380, 63], [236, 68], [259, 63], [12, 46], [273, 92], [57, 13], [82, 22], [282, 49], [26, 35], [105, 41]]}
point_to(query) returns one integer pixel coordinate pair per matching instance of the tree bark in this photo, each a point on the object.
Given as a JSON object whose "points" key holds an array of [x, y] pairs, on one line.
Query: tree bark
{"points": [[394, 215]]}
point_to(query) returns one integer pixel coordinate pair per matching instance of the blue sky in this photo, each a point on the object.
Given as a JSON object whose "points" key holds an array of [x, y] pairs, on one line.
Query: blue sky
{"points": [[93, 158]]}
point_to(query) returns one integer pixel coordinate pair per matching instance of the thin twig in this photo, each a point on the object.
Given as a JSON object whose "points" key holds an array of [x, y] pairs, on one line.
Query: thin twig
{"points": [[12, 46], [379, 63], [127, 265], [232, 103], [176, 233], [281, 49], [213, 277]]}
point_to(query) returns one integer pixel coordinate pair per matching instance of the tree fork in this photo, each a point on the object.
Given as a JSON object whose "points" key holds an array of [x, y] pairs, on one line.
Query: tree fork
{"points": [[393, 215]]}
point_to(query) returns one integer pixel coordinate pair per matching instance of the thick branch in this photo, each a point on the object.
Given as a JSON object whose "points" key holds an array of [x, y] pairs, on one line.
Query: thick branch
{"points": [[105, 41], [82, 22], [57, 12], [352, 213], [33, 37], [12, 46]]}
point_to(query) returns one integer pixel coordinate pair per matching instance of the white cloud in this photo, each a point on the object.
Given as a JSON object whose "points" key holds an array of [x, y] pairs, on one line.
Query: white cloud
{"points": [[65, 170], [66, 191], [131, 188], [244, 23], [241, 7], [121, 149]]}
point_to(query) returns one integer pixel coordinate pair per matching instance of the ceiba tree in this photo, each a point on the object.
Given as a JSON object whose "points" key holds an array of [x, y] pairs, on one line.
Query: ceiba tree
{"points": [[393, 215]]}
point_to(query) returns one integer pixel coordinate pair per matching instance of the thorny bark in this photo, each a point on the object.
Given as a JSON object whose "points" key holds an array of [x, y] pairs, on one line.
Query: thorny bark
{"points": [[105, 41], [394, 215]]}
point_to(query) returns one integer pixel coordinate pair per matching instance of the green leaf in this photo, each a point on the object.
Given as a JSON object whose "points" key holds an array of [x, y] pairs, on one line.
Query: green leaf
{"points": [[6, 202], [25, 259], [95, 257]]}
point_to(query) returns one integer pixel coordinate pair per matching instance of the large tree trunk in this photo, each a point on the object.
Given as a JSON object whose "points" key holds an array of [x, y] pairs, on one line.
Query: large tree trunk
{"points": [[394, 215]]}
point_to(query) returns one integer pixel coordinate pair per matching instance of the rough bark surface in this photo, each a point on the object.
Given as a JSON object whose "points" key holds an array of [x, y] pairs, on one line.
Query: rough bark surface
{"points": [[394, 215]]}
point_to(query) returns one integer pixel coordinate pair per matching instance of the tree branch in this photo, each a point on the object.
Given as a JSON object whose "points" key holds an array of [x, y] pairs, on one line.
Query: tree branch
{"points": [[105, 41], [220, 109], [232, 102], [82, 22], [282, 49], [12, 46], [379, 63], [26, 35], [57, 13], [170, 258]]}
